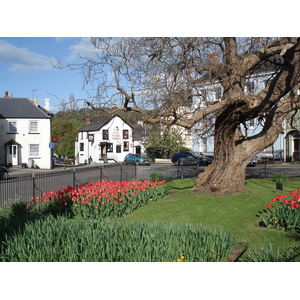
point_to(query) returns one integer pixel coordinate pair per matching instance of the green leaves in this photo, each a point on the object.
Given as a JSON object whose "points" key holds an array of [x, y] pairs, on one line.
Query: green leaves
{"points": [[113, 240]]}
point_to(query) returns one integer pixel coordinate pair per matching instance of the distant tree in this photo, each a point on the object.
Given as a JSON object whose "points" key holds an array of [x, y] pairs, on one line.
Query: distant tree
{"points": [[160, 75], [67, 134], [163, 143]]}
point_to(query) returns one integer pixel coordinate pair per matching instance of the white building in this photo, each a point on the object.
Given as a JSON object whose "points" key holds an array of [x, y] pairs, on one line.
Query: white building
{"points": [[107, 138], [25, 133], [204, 143]]}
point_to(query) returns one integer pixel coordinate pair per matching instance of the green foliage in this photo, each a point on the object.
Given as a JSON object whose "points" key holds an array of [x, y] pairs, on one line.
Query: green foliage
{"points": [[67, 135], [155, 176], [283, 214], [267, 254], [164, 143], [280, 177], [65, 240]]}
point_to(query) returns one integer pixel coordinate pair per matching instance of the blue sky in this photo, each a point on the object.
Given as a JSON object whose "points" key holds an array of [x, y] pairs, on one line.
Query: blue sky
{"points": [[26, 69], [33, 34]]}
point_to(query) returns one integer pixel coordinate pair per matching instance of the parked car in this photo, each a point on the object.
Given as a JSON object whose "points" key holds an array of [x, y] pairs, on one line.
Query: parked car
{"points": [[58, 160], [136, 159], [252, 162], [3, 173], [190, 159]]}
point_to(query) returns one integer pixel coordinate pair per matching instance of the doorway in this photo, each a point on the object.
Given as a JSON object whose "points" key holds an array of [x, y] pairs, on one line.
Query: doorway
{"points": [[12, 155]]}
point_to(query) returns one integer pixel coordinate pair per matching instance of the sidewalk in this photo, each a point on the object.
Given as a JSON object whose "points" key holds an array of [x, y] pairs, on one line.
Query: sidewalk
{"points": [[12, 171]]}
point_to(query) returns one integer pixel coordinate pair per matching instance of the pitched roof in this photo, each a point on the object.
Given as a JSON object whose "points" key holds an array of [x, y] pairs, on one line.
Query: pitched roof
{"points": [[99, 122], [21, 108]]}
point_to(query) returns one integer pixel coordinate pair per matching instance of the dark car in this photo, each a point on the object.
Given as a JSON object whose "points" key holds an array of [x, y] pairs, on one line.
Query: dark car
{"points": [[3, 173], [58, 160], [136, 159], [190, 159]]}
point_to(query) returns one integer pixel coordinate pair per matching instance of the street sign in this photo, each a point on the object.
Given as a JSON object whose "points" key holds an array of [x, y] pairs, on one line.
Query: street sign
{"points": [[51, 145], [54, 139]]}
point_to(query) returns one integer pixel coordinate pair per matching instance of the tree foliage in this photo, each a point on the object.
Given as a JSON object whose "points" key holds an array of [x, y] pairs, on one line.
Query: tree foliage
{"points": [[164, 143], [67, 134]]}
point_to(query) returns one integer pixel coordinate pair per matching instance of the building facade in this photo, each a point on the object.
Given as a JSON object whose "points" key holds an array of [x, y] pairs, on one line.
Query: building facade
{"points": [[25, 133], [203, 140], [107, 139]]}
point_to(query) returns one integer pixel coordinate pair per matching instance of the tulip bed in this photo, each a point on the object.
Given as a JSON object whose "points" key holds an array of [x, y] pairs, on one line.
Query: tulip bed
{"points": [[85, 224], [101, 199], [111, 240], [282, 213]]}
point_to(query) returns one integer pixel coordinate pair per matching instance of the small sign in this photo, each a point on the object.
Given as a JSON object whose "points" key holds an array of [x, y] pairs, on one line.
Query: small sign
{"points": [[54, 139], [51, 145]]}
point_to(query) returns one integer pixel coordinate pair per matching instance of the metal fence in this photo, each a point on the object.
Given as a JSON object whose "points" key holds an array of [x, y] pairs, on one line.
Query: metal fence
{"points": [[25, 186]]}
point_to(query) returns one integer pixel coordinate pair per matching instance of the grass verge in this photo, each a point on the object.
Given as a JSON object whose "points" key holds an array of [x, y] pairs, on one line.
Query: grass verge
{"points": [[238, 213]]}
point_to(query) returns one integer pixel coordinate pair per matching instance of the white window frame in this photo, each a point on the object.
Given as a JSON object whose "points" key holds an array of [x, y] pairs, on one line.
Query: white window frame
{"points": [[34, 129], [34, 152], [12, 126]]}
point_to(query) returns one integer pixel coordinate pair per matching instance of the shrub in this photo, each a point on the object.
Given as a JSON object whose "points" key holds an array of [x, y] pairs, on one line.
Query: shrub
{"points": [[280, 177], [283, 214], [113, 240], [156, 176]]}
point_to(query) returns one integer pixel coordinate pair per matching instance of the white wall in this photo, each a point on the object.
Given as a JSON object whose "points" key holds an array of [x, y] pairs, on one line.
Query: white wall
{"points": [[115, 129], [42, 138]]}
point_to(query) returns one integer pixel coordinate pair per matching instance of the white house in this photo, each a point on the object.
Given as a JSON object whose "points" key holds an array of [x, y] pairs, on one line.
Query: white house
{"points": [[25, 133], [204, 143], [107, 138]]}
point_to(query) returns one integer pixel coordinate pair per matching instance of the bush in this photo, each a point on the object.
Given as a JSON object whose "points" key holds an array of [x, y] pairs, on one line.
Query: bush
{"points": [[280, 177], [156, 176], [113, 240]]}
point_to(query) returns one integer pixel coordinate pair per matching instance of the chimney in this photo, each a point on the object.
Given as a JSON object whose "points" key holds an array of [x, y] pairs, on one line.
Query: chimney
{"points": [[47, 104], [6, 95], [87, 119]]}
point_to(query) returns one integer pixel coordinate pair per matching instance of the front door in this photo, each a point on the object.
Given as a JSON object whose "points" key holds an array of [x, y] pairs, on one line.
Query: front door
{"points": [[14, 155], [103, 150]]}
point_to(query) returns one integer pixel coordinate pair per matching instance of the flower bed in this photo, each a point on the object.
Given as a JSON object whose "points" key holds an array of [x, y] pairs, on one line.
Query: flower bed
{"points": [[113, 240], [282, 213], [101, 199]]}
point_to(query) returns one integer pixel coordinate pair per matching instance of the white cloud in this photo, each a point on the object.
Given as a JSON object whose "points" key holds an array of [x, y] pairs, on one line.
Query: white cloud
{"points": [[22, 59], [83, 48]]}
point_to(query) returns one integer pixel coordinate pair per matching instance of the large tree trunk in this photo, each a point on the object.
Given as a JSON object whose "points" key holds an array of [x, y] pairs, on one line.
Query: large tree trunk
{"points": [[228, 170]]}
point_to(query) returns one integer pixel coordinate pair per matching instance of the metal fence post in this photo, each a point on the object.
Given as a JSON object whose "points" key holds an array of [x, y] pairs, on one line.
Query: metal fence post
{"points": [[101, 175], [33, 185], [74, 178]]}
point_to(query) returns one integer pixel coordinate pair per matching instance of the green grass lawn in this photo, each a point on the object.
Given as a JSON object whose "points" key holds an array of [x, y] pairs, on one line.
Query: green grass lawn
{"points": [[235, 212]]}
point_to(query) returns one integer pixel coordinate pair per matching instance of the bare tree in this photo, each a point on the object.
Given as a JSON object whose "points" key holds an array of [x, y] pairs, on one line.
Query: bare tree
{"points": [[157, 77]]}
